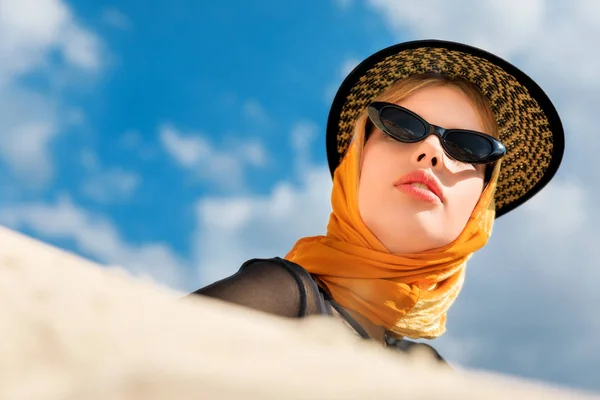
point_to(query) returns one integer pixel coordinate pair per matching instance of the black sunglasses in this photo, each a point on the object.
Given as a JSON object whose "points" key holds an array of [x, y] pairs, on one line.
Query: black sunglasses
{"points": [[463, 145]]}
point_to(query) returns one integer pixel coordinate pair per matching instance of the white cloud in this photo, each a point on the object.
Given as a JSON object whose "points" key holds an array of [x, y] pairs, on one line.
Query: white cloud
{"points": [[24, 148], [567, 196], [116, 19], [31, 31], [254, 153], [507, 28], [106, 184], [348, 66], [302, 136], [111, 186], [232, 230], [80, 48], [255, 112], [28, 123], [97, 237], [187, 150], [224, 167]]}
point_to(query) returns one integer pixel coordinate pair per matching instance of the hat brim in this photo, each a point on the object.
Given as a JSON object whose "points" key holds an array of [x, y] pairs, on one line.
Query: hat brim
{"points": [[529, 125]]}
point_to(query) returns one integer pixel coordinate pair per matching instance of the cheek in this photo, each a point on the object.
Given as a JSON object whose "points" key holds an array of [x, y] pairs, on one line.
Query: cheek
{"points": [[366, 184], [372, 182], [465, 196]]}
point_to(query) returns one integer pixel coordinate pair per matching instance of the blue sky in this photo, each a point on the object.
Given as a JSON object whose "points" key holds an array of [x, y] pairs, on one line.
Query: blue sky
{"points": [[179, 139], [234, 77]]}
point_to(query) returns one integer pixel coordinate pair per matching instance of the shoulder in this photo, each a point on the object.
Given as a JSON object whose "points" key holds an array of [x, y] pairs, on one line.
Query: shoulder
{"points": [[273, 285], [276, 267], [280, 274]]}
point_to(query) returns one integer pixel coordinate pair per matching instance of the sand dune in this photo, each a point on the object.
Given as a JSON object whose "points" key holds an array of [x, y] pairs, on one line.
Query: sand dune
{"points": [[71, 329]]}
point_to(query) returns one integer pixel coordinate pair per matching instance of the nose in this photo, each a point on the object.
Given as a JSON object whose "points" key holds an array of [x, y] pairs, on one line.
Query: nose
{"points": [[429, 153]]}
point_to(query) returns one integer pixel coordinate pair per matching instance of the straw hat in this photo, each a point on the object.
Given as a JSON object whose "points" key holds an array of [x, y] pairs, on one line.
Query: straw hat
{"points": [[530, 127]]}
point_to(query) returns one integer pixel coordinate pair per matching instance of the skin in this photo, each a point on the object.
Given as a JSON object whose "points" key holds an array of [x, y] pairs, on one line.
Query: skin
{"points": [[403, 223]]}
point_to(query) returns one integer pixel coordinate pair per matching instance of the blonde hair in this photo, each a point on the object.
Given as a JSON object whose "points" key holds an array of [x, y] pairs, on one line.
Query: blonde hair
{"points": [[405, 87]]}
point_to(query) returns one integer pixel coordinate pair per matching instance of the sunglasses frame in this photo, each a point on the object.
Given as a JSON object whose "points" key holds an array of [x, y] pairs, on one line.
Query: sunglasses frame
{"points": [[374, 111]]}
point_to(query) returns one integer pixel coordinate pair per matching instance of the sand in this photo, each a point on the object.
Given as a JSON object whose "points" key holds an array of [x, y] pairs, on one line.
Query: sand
{"points": [[71, 329]]}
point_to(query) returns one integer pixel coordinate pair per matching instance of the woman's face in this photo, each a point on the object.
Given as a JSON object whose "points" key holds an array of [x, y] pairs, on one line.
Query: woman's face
{"points": [[403, 218]]}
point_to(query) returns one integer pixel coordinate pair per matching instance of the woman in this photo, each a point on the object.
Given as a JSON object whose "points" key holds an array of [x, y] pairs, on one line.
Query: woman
{"points": [[428, 142]]}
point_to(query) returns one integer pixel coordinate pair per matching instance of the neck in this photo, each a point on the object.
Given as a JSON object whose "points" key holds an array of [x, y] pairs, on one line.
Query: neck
{"points": [[375, 332]]}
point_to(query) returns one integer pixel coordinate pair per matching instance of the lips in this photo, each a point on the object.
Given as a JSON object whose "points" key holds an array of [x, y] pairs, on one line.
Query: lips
{"points": [[424, 181]]}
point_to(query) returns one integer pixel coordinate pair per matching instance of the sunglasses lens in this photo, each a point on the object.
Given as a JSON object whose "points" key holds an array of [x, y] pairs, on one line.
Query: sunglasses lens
{"points": [[402, 125], [468, 147]]}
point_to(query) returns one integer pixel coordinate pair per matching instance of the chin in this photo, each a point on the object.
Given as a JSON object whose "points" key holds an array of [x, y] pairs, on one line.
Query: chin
{"points": [[415, 235]]}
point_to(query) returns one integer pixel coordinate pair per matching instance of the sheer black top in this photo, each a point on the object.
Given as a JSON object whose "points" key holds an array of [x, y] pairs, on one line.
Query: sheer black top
{"points": [[274, 285], [281, 287]]}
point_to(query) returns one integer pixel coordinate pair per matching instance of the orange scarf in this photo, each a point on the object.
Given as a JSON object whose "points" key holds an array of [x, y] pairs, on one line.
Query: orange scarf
{"points": [[408, 294]]}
